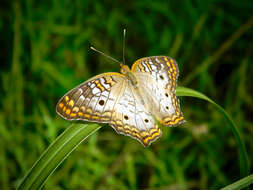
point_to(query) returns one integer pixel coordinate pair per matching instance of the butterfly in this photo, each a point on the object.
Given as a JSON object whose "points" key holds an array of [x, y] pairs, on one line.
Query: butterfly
{"points": [[131, 101]]}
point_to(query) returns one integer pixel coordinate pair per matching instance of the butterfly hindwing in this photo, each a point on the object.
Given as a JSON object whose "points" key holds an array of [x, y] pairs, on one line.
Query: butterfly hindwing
{"points": [[130, 117], [157, 77]]}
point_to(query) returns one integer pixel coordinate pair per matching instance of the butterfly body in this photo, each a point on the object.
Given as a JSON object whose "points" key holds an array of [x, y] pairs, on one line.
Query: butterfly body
{"points": [[129, 101]]}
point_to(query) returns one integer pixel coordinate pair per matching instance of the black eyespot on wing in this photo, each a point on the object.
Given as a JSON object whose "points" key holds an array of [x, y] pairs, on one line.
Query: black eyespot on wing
{"points": [[101, 102], [161, 77], [146, 120], [126, 117]]}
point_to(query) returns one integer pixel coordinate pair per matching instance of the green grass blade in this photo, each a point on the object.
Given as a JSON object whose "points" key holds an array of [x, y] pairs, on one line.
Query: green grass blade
{"points": [[182, 91], [244, 182], [55, 154]]}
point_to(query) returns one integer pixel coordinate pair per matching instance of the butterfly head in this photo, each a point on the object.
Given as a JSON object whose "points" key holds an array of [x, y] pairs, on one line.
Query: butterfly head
{"points": [[124, 69]]}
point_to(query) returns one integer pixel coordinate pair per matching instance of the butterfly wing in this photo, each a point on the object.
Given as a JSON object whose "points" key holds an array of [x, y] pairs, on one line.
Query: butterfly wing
{"points": [[157, 79], [92, 100], [110, 98], [131, 118]]}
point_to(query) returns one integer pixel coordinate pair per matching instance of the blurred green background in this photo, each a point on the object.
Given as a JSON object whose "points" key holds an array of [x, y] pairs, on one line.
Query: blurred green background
{"points": [[44, 52]]}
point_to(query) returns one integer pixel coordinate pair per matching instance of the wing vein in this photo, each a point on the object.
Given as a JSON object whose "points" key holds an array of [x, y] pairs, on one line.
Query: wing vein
{"points": [[135, 106]]}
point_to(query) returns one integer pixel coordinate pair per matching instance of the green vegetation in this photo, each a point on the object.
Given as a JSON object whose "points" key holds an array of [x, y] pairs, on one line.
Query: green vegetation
{"points": [[45, 52]]}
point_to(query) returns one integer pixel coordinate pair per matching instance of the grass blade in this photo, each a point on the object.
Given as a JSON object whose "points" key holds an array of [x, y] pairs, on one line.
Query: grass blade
{"points": [[55, 154], [244, 182], [182, 91]]}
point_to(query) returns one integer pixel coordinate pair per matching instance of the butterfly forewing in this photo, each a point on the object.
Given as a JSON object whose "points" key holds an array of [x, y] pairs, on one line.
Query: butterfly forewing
{"points": [[92, 100]]}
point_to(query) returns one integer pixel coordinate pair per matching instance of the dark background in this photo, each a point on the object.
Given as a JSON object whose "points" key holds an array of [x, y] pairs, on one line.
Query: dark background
{"points": [[44, 52]]}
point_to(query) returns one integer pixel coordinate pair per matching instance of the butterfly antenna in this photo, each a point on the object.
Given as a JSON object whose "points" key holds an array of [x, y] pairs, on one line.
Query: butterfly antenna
{"points": [[105, 55], [124, 42]]}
